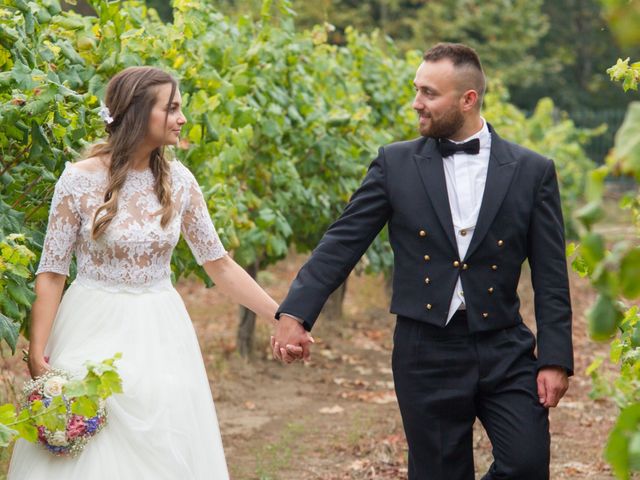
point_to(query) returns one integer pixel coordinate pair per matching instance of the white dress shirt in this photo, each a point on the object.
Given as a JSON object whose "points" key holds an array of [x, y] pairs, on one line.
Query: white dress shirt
{"points": [[466, 176]]}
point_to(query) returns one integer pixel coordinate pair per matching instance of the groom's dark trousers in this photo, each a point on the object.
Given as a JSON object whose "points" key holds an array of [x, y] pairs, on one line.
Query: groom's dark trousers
{"points": [[482, 363]]}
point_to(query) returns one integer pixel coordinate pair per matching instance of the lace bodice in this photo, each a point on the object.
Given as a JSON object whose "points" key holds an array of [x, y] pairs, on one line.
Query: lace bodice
{"points": [[134, 252]]}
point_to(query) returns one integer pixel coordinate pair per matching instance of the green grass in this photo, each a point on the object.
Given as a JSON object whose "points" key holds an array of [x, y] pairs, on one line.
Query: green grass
{"points": [[276, 456]]}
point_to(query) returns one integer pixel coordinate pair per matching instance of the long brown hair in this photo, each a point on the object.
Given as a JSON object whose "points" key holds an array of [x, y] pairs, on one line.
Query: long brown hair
{"points": [[130, 97]]}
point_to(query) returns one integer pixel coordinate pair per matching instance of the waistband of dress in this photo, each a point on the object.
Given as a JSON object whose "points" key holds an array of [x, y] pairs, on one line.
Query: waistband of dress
{"points": [[161, 285]]}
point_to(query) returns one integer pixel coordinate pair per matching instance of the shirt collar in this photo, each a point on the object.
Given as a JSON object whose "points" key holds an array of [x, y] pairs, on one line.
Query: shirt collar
{"points": [[483, 134]]}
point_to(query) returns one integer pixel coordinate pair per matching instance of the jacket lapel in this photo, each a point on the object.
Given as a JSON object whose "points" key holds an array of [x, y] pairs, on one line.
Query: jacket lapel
{"points": [[499, 175], [429, 164]]}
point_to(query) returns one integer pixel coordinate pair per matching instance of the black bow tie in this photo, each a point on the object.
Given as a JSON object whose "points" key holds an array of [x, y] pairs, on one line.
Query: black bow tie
{"points": [[447, 147]]}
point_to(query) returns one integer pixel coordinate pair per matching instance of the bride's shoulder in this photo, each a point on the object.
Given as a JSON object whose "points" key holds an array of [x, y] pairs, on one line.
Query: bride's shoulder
{"points": [[87, 165], [181, 172], [82, 176], [91, 164]]}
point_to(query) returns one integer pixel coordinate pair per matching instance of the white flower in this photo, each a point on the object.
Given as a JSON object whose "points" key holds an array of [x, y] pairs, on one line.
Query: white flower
{"points": [[53, 386], [104, 113], [59, 439]]}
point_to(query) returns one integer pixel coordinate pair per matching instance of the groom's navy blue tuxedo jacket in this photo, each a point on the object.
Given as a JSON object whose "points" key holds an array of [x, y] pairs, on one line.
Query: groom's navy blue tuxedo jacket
{"points": [[520, 218]]}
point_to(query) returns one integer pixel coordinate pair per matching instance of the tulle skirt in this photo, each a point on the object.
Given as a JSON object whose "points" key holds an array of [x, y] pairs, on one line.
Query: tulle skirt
{"points": [[164, 424]]}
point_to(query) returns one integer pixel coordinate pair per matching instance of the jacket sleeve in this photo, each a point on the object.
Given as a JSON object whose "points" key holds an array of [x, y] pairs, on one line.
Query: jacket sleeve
{"points": [[547, 258], [341, 247]]}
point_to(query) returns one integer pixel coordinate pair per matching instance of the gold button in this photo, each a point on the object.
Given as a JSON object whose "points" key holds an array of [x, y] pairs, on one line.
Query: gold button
{"points": [[500, 243], [428, 306], [427, 258], [465, 266], [427, 281], [463, 232], [490, 290], [485, 315], [494, 267], [456, 264], [423, 233], [461, 293]]}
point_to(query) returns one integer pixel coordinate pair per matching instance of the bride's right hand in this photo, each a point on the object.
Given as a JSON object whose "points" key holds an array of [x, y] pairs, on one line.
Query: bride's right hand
{"points": [[38, 366]]}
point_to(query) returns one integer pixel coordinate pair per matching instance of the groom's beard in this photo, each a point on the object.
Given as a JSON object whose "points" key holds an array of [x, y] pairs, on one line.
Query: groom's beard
{"points": [[445, 127]]}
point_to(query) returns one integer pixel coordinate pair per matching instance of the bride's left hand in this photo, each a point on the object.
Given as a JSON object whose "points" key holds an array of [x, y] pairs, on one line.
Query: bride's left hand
{"points": [[38, 365]]}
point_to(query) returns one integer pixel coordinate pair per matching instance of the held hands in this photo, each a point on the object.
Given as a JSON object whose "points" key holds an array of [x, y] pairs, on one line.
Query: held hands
{"points": [[553, 383], [290, 341]]}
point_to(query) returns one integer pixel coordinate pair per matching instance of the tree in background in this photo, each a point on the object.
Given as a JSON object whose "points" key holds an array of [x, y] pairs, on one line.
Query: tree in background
{"points": [[504, 32], [542, 48], [581, 45]]}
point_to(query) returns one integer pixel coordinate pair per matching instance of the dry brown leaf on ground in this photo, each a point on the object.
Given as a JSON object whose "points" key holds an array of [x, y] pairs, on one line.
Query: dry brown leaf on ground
{"points": [[336, 409]]}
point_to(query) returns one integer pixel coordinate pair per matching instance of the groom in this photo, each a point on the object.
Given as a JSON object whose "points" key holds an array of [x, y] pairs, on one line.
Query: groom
{"points": [[465, 209]]}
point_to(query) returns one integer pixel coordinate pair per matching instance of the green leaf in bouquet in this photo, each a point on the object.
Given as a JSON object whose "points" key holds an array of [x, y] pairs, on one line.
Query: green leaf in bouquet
{"points": [[25, 428], [84, 406], [6, 435], [7, 413], [54, 418], [75, 388], [98, 369], [37, 407], [91, 384], [111, 383]]}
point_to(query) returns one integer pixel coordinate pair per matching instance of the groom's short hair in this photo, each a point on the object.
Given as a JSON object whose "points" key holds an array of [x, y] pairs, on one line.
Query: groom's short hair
{"points": [[463, 58]]}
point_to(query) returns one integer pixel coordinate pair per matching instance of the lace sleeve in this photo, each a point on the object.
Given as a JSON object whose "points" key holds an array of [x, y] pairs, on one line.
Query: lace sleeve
{"points": [[197, 227], [62, 229]]}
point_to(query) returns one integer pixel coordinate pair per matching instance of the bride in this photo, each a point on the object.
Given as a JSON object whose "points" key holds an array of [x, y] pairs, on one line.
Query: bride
{"points": [[121, 211]]}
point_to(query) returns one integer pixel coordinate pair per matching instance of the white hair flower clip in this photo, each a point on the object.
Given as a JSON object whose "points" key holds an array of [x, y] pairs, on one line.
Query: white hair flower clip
{"points": [[104, 113]]}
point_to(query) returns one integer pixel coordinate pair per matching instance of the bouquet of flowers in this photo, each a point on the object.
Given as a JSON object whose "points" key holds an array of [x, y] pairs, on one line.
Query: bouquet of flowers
{"points": [[67, 431]]}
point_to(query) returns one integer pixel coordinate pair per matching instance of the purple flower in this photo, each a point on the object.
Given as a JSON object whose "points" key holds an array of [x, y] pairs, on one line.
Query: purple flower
{"points": [[46, 401], [56, 449], [92, 424]]}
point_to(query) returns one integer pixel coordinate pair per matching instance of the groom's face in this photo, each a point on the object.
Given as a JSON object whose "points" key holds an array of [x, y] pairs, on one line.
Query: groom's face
{"points": [[438, 99]]}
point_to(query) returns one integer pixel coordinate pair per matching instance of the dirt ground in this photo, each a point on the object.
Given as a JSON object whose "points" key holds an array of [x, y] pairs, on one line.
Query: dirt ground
{"points": [[337, 418]]}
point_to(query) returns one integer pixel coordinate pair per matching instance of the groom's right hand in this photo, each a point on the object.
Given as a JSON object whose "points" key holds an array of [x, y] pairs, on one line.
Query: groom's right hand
{"points": [[291, 341]]}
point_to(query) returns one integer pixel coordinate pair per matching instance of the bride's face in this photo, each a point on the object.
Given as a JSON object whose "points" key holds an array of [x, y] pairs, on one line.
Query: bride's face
{"points": [[161, 133]]}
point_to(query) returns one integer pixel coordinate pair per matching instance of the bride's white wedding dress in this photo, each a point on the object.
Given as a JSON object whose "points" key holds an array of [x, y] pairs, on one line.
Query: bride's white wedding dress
{"points": [[164, 425]]}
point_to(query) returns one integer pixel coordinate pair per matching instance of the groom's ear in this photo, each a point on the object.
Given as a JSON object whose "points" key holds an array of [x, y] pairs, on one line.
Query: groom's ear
{"points": [[469, 100]]}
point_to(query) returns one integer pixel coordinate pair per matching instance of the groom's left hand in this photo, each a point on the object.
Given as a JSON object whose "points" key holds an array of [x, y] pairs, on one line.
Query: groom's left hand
{"points": [[290, 341], [553, 383]]}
